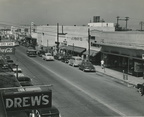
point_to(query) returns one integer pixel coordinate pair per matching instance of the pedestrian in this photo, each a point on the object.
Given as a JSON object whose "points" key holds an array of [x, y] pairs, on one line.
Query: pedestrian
{"points": [[102, 63]]}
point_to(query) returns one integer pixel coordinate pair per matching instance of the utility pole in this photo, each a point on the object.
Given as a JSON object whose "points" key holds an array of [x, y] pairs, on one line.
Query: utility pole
{"points": [[57, 37], [127, 18], [89, 36], [73, 50]]}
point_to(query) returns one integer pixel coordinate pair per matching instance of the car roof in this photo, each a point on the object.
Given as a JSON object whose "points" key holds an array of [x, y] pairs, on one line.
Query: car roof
{"points": [[24, 78]]}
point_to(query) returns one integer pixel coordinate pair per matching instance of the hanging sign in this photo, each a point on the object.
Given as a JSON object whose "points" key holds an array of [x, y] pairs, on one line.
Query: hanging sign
{"points": [[27, 100], [7, 50]]}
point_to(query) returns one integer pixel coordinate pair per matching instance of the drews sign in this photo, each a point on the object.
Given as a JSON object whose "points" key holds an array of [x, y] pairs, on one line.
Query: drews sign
{"points": [[29, 100], [7, 50]]}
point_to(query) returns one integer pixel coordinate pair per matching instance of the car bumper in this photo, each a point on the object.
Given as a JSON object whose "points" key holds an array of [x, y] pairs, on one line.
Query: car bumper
{"points": [[87, 69]]}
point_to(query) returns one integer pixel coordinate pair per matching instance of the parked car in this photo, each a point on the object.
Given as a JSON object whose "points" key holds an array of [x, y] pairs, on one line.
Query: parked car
{"points": [[25, 81], [7, 57], [48, 112], [19, 71], [87, 66], [48, 57], [9, 62], [58, 56], [40, 53], [75, 61], [66, 58], [12, 65]]}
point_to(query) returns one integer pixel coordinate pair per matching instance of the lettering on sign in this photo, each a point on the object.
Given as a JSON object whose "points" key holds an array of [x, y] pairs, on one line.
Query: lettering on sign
{"points": [[6, 49], [76, 38], [33, 100], [7, 43]]}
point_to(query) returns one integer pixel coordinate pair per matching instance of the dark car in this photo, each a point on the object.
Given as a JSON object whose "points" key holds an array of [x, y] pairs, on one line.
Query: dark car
{"points": [[12, 65], [48, 112], [25, 81], [7, 57], [58, 56], [9, 61], [87, 66], [66, 58], [40, 53]]}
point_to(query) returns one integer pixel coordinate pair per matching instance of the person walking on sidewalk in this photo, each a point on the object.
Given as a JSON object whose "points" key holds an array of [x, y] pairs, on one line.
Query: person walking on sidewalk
{"points": [[102, 63]]}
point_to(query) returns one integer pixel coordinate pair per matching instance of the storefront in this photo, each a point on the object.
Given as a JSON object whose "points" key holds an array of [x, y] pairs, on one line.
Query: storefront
{"points": [[74, 50], [94, 56], [128, 60]]}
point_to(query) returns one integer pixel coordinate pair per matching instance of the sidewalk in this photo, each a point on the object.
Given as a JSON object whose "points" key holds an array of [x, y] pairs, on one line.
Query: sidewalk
{"points": [[132, 80]]}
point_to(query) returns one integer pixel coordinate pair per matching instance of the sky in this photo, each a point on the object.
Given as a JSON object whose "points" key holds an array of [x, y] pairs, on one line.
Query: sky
{"points": [[70, 12]]}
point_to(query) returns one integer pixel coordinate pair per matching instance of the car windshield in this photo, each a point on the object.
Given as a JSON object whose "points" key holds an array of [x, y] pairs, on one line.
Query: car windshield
{"points": [[48, 54], [79, 59], [88, 64]]}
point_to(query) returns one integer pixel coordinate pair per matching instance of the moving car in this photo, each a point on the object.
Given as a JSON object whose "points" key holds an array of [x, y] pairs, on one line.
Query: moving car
{"points": [[48, 57], [87, 66], [31, 52], [25, 81], [75, 61]]}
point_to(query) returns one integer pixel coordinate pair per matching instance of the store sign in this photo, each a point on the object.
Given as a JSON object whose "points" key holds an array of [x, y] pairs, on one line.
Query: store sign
{"points": [[7, 44], [7, 50], [77, 38], [29, 100]]}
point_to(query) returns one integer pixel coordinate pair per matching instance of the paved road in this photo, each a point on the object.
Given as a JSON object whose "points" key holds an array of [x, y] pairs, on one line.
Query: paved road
{"points": [[79, 94]]}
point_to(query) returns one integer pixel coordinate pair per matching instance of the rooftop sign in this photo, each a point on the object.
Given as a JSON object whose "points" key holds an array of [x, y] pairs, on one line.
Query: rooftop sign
{"points": [[27, 100]]}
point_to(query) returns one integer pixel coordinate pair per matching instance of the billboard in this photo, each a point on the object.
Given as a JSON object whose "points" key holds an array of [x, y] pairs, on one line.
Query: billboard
{"points": [[7, 50], [27, 100]]}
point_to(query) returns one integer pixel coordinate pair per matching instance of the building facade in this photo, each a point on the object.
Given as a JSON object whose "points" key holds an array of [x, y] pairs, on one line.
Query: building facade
{"points": [[122, 51]]}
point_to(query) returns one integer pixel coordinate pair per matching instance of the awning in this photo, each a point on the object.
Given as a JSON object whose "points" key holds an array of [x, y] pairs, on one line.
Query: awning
{"points": [[126, 52], [75, 49], [92, 52]]}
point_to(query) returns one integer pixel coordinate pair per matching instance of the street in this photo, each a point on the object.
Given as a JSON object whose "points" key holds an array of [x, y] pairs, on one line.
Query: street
{"points": [[79, 94]]}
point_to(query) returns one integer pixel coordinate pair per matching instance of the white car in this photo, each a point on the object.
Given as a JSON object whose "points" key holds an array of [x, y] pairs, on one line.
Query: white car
{"points": [[48, 57], [75, 61], [15, 70]]}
